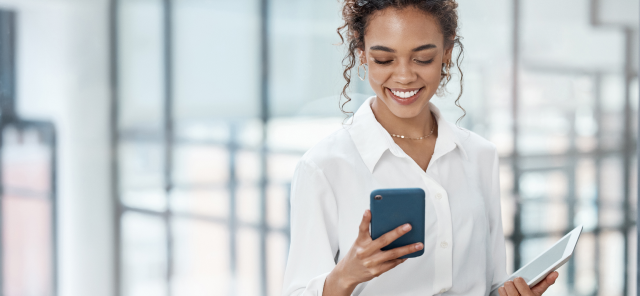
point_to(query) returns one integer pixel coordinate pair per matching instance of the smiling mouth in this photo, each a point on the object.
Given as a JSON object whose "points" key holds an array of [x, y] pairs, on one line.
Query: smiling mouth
{"points": [[405, 97]]}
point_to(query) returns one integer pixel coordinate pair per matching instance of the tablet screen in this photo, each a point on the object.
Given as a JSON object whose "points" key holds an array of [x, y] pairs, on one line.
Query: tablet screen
{"points": [[543, 262]]}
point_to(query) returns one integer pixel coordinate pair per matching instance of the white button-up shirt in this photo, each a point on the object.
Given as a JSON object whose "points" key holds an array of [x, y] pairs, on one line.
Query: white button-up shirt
{"points": [[464, 250]]}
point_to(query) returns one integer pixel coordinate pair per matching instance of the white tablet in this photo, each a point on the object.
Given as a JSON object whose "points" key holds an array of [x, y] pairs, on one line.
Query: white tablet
{"points": [[556, 256]]}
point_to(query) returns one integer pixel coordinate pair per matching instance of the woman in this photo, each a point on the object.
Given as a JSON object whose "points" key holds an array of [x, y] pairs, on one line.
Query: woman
{"points": [[399, 139]]}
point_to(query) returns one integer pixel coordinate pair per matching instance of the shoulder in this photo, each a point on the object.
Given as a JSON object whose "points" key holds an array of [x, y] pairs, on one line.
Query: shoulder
{"points": [[337, 146], [475, 145], [320, 165]]}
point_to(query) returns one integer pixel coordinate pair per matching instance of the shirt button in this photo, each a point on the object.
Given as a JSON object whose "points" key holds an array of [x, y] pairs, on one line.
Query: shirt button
{"points": [[444, 244], [438, 196], [443, 290]]}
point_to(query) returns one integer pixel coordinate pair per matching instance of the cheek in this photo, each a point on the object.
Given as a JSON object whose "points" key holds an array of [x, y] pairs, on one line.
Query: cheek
{"points": [[379, 75], [431, 74]]}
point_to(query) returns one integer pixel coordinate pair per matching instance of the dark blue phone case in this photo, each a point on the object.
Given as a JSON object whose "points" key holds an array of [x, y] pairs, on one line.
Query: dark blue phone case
{"points": [[395, 207]]}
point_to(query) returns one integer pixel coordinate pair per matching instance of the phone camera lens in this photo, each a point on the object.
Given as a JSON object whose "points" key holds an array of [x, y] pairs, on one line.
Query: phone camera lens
{"points": [[378, 197]]}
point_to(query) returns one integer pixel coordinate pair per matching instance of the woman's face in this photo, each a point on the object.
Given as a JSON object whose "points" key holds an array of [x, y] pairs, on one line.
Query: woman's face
{"points": [[404, 50]]}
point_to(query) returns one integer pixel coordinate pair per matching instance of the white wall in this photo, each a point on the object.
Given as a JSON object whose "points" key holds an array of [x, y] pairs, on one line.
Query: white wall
{"points": [[63, 76]]}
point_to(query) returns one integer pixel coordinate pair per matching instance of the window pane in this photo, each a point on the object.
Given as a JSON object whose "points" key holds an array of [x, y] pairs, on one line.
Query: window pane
{"points": [[248, 166], [27, 222], [304, 62], [141, 165], [278, 205], [209, 202], [140, 54], [548, 185], [584, 259], [277, 248], [26, 161], [612, 180], [544, 216], [145, 199], [201, 256], [141, 175], [144, 255], [216, 56], [248, 254], [200, 164], [248, 204], [611, 261], [27, 246]]}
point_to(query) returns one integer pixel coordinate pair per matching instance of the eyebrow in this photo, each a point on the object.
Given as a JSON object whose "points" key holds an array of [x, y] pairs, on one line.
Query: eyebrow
{"points": [[387, 49]]}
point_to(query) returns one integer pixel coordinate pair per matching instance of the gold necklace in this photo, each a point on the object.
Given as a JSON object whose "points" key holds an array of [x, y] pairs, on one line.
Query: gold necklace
{"points": [[419, 138]]}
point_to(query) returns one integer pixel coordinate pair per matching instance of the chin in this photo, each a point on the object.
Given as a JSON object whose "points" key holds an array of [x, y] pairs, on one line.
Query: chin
{"points": [[404, 112]]}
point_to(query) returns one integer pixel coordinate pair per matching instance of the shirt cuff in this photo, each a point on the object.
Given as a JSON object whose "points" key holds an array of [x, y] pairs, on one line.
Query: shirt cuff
{"points": [[315, 287]]}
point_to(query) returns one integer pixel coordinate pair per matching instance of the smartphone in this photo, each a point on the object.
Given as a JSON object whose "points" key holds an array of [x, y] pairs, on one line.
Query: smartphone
{"points": [[393, 207]]}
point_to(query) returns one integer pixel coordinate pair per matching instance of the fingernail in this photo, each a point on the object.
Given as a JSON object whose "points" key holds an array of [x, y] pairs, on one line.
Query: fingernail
{"points": [[418, 246], [406, 227]]}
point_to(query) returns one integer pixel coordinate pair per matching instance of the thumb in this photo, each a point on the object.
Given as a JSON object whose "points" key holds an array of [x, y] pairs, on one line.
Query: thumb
{"points": [[542, 286], [364, 225]]}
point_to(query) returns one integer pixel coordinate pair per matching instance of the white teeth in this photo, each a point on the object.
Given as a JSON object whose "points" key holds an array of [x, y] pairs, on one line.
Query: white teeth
{"points": [[405, 94]]}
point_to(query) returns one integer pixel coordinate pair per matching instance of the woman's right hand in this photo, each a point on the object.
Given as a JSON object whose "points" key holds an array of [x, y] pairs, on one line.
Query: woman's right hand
{"points": [[365, 260]]}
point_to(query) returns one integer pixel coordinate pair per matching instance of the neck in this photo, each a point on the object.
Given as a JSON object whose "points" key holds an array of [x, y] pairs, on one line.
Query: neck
{"points": [[413, 127]]}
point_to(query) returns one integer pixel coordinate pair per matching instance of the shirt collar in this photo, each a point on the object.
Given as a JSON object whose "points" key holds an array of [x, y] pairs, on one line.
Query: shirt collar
{"points": [[372, 140]]}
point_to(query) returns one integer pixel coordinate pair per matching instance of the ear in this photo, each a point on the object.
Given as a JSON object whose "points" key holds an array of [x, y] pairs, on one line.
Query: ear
{"points": [[362, 58]]}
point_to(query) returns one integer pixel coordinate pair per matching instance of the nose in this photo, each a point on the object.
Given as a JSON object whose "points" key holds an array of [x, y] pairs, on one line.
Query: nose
{"points": [[404, 73]]}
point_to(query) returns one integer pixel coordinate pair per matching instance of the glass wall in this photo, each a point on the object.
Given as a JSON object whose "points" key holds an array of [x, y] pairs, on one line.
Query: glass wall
{"points": [[217, 101], [28, 233]]}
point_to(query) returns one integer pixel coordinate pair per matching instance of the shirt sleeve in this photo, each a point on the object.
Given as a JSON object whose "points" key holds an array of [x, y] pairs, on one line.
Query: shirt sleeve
{"points": [[314, 232], [497, 235]]}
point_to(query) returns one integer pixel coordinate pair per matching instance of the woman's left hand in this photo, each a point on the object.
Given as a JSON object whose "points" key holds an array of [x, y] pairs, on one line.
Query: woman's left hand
{"points": [[519, 287]]}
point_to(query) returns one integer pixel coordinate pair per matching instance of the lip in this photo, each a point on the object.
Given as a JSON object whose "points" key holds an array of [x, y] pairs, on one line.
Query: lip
{"points": [[404, 101]]}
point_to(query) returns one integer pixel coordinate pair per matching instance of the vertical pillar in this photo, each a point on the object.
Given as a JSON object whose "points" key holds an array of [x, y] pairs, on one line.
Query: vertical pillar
{"points": [[264, 114], [168, 134], [517, 229], [114, 139]]}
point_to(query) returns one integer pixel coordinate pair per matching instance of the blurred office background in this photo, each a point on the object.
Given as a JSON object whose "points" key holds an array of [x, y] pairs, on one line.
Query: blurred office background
{"points": [[148, 145]]}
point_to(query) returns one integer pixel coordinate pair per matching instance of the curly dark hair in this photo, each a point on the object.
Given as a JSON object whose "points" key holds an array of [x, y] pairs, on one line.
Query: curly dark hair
{"points": [[356, 14]]}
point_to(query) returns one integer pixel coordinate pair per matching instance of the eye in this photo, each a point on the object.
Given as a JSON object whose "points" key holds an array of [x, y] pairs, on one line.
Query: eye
{"points": [[424, 62], [382, 62]]}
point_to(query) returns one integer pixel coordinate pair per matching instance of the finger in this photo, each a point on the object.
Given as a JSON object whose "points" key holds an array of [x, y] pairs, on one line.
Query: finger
{"points": [[364, 226], [522, 287], [502, 291], [511, 289], [543, 285], [397, 252], [384, 267], [390, 236]]}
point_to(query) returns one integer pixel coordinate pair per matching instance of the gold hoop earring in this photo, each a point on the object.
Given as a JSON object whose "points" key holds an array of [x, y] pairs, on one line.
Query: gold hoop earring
{"points": [[364, 66], [447, 66]]}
